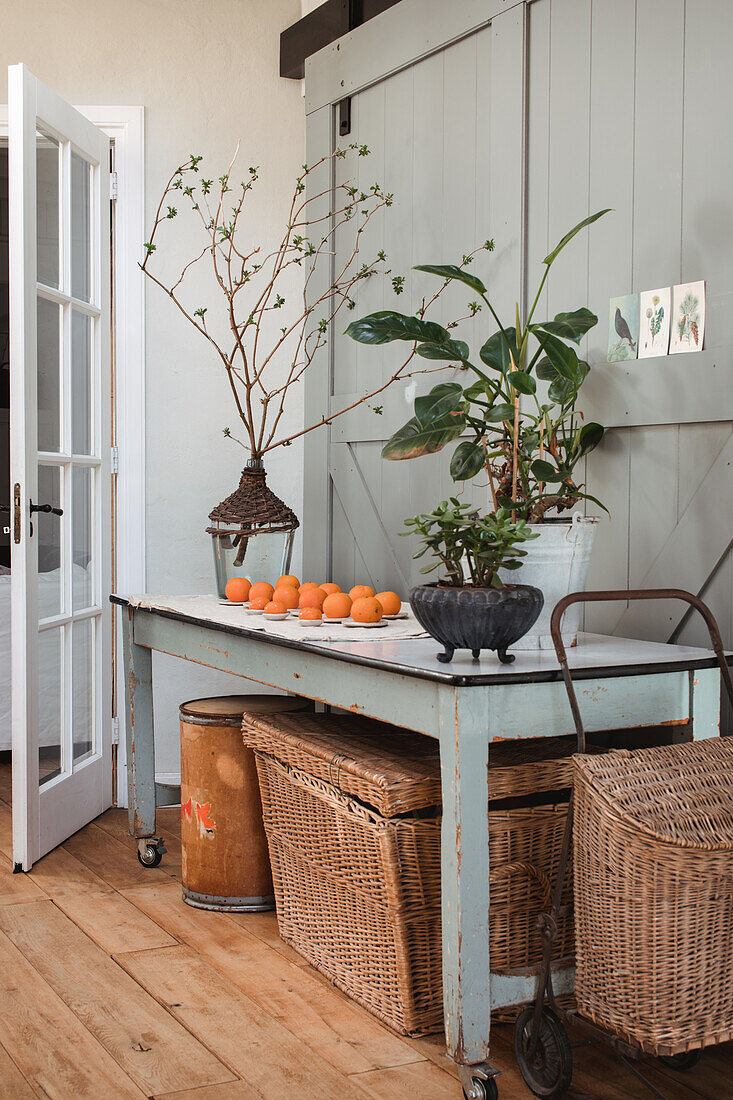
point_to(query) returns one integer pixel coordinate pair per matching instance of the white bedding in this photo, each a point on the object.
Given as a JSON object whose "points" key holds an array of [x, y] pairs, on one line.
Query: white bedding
{"points": [[49, 686]]}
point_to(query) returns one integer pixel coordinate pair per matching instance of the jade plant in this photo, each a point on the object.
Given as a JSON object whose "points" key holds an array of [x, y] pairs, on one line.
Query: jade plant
{"points": [[471, 547], [529, 441]]}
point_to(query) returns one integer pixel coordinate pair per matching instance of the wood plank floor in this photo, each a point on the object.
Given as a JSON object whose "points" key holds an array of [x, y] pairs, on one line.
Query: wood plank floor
{"points": [[111, 986]]}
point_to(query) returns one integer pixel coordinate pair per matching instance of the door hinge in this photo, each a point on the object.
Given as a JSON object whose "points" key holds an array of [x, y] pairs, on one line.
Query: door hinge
{"points": [[115, 459], [113, 185], [115, 730], [344, 107]]}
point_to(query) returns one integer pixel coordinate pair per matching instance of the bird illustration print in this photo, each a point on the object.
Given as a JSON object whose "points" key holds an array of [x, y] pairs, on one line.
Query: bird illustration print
{"points": [[623, 329]]}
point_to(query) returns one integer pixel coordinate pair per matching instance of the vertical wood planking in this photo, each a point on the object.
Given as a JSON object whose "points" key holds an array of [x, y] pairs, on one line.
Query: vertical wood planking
{"points": [[658, 142], [707, 213], [706, 239], [609, 479], [458, 212], [538, 144], [570, 61], [316, 484], [346, 172], [428, 131], [611, 159], [654, 496], [507, 160], [610, 183]]}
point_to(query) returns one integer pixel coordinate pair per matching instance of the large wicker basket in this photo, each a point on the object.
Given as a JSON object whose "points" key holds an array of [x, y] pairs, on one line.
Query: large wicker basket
{"points": [[654, 894], [352, 814]]}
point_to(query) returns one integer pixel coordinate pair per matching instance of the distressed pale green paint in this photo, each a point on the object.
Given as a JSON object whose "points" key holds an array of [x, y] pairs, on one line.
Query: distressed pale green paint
{"points": [[465, 719]]}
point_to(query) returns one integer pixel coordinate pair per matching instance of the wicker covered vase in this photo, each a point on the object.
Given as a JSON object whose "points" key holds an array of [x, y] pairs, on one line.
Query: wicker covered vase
{"points": [[252, 531]]}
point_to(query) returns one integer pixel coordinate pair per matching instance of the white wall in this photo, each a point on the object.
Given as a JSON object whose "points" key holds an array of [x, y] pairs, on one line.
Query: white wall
{"points": [[207, 74]]}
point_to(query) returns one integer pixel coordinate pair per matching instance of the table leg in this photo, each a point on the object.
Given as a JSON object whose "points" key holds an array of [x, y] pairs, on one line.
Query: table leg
{"points": [[464, 755], [140, 738], [705, 687]]}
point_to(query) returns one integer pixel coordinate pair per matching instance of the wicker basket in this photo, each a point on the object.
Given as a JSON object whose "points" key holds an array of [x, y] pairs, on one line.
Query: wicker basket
{"points": [[654, 894], [352, 814]]}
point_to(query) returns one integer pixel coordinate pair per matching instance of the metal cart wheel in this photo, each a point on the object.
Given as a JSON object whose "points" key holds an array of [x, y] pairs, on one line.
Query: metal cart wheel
{"points": [[482, 1090], [151, 854], [681, 1062], [548, 1074]]}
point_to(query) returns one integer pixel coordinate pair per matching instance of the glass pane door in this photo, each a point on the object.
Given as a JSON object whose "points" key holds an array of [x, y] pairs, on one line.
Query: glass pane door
{"points": [[59, 262]]}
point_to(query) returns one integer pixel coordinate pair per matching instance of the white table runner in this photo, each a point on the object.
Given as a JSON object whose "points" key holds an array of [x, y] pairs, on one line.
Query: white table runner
{"points": [[210, 609]]}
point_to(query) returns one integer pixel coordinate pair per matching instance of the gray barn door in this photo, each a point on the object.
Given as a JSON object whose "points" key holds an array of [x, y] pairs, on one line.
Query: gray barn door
{"points": [[515, 124], [446, 134]]}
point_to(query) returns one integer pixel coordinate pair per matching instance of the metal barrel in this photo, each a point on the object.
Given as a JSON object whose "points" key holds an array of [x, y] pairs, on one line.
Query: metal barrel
{"points": [[225, 861]]}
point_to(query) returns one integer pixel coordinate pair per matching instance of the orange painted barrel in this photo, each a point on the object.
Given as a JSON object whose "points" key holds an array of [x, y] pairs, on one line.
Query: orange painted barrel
{"points": [[225, 861]]}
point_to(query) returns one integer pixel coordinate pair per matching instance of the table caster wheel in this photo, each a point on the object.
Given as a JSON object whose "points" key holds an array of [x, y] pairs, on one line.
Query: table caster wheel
{"points": [[482, 1090], [151, 853], [549, 1073], [681, 1062]]}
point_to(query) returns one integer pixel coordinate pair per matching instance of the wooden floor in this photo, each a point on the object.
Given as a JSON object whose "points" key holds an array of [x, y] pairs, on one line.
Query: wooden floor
{"points": [[111, 987]]}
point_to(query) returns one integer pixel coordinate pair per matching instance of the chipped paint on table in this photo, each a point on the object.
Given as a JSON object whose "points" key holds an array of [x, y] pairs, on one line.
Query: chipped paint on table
{"points": [[466, 706]]}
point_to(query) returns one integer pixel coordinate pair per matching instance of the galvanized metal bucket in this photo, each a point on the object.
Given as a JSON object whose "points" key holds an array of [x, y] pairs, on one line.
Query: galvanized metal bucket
{"points": [[556, 563]]}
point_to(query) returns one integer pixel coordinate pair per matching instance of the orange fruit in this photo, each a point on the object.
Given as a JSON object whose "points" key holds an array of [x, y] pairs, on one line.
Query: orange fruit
{"points": [[311, 597], [366, 609], [274, 608], [237, 589], [307, 584], [287, 580], [390, 601], [337, 606], [359, 591], [258, 603], [310, 614], [287, 596], [261, 590], [329, 588]]}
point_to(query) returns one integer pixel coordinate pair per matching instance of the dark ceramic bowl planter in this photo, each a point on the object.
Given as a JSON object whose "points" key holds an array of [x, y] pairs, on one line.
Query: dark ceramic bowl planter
{"points": [[476, 618]]}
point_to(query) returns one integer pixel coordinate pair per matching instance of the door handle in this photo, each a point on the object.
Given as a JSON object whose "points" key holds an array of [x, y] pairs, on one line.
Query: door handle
{"points": [[48, 508]]}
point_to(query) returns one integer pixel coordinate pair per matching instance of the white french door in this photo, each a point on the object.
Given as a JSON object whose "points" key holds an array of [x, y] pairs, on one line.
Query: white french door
{"points": [[59, 467]]}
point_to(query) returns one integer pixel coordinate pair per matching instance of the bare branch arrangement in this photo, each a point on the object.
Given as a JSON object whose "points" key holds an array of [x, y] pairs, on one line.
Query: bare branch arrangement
{"points": [[250, 281]]}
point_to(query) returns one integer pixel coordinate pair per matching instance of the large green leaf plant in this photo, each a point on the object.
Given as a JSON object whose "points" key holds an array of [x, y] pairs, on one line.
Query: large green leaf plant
{"points": [[529, 442]]}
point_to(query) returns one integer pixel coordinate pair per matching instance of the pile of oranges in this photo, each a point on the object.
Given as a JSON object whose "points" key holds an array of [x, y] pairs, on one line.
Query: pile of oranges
{"points": [[313, 601]]}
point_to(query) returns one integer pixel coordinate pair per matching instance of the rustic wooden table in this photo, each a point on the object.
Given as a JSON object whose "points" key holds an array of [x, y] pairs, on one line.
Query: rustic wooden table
{"points": [[465, 705]]}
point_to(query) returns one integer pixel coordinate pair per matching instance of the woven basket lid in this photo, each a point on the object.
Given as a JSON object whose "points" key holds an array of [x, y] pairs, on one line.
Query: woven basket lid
{"points": [[679, 794], [392, 770], [253, 509]]}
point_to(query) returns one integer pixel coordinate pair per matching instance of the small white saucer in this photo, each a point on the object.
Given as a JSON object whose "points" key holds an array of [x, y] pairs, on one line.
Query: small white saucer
{"points": [[367, 626], [328, 619], [233, 603], [255, 610], [311, 622], [399, 615], [275, 618]]}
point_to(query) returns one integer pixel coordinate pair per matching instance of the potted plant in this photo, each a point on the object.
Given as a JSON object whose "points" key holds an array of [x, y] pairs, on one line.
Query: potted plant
{"points": [[471, 607], [264, 337], [528, 438]]}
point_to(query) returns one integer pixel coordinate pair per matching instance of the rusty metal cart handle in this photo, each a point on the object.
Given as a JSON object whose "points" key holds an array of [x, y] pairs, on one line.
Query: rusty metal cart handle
{"points": [[631, 594]]}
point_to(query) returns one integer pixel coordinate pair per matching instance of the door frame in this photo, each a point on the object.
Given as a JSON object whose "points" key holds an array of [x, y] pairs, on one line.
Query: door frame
{"points": [[126, 126]]}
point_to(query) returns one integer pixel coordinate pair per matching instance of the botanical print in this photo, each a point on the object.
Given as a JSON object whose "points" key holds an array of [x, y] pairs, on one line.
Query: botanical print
{"points": [[688, 317], [623, 328], [654, 316]]}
